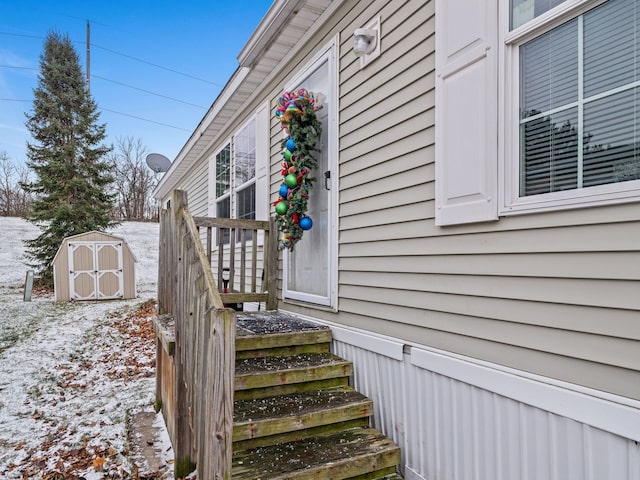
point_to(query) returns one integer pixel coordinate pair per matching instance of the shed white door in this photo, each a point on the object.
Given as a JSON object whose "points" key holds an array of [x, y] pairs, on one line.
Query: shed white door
{"points": [[95, 270]]}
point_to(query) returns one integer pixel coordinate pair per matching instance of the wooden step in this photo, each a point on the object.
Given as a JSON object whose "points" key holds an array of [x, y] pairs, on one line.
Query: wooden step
{"points": [[299, 411], [287, 350], [274, 333], [257, 342], [252, 373], [300, 434], [360, 453]]}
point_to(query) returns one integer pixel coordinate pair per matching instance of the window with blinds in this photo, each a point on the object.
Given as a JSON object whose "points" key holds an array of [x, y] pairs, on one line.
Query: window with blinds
{"points": [[523, 11], [580, 100]]}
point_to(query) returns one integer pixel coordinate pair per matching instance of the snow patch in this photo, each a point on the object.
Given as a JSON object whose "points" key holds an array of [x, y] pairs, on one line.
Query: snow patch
{"points": [[70, 376]]}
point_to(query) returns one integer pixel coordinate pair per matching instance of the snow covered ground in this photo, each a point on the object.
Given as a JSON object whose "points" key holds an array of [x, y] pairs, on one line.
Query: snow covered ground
{"points": [[72, 372]]}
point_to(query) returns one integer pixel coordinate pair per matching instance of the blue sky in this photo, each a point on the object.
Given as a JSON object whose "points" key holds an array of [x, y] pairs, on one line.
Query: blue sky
{"points": [[182, 50]]}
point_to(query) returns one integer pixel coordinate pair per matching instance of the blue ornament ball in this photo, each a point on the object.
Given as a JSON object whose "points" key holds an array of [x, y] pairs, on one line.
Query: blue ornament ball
{"points": [[306, 223], [284, 191], [291, 145]]}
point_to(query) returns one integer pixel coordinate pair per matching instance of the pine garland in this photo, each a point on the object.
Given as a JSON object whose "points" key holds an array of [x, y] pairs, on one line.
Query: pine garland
{"points": [[297, 114]]}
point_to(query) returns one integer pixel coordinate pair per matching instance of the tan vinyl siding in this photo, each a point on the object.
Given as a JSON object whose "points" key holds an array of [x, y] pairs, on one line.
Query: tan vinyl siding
{"points": [[554, 294], [195, 184]]}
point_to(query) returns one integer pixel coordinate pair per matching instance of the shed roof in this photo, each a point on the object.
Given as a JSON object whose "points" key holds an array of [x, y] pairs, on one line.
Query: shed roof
{"points": [[107, 237]]}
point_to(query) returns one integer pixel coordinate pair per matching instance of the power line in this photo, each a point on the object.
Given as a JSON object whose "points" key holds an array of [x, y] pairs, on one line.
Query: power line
{"points": [[147, 91], [123, 85], [22, 35], [119, 83], [156, 65], [22, 68], [145, 119], [111, 111], [162, 67]]}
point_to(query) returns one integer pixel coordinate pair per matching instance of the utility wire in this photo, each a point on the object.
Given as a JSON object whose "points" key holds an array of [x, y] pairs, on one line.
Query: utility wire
{"points": [[22, 68], [123, 85], [113, 81], [155, 65], [147, 91], [126, 56], [108, 110], [145, 119]]}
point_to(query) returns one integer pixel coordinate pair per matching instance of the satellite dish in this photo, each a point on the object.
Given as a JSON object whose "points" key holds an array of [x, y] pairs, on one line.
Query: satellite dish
{"points": [[158, 162]]}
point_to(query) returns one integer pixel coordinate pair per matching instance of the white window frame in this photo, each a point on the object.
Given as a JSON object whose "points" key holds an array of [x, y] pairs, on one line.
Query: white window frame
{"points": [[238, 187], [509, 154], [234, 188], [217, 199]]}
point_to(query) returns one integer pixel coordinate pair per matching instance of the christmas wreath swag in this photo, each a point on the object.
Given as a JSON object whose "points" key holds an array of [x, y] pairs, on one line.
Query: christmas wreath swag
{"points": [[297, 114]]}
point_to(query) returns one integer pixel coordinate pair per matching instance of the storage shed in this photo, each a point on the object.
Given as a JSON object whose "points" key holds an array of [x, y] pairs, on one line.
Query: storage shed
{"points": [[94, 266]]}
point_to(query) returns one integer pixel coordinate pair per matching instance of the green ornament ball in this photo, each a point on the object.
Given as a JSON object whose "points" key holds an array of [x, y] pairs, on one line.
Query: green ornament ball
{"points": [[291, 181], [287, 155], [281, 208]]}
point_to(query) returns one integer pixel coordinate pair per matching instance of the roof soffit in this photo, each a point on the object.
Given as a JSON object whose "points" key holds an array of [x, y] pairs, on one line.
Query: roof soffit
{"points": [[279, 33]]}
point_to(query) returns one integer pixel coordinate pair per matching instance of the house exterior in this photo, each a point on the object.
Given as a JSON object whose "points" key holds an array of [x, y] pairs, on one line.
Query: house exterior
{"points": [[476, 238]]}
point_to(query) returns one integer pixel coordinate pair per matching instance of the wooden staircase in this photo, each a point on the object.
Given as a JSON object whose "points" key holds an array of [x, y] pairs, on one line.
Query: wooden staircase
{"points": [[295, 415]]}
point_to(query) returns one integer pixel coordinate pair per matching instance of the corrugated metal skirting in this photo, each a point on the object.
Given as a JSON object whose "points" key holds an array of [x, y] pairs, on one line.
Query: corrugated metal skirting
{"points": [[450, 430]]}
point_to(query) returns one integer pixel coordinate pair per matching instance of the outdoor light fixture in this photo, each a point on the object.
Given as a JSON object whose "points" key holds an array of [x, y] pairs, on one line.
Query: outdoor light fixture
{"points": [[366, 42]]}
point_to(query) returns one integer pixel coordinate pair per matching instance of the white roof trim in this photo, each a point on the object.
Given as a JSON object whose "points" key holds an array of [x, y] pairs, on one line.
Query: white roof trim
{"points": [[260, 41], [228, 91], [269, 27]]}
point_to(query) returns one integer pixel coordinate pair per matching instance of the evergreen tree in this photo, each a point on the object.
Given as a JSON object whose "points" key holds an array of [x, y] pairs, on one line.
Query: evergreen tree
{"points": [[67, 155]]}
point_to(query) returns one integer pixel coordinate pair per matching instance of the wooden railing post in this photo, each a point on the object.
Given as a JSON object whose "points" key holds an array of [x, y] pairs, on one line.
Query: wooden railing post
{"points": [[165, 250], [271, 259], [218, 395], [182, 442]]}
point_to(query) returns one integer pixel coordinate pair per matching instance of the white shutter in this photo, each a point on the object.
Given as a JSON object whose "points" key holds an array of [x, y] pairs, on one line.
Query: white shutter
{"points": [[466, 111], [262, 162]]}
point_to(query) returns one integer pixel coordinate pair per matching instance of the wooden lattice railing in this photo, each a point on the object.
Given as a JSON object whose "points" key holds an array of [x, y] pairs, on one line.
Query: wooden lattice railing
{"points": [[243, 256]]}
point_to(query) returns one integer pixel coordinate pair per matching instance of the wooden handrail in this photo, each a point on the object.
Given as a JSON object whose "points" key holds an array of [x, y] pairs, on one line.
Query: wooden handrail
{"points": [[204, 358]]}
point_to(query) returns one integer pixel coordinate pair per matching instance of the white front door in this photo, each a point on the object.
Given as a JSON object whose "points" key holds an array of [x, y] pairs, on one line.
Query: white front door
{"points": [[95, 270], [310, 269]]}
